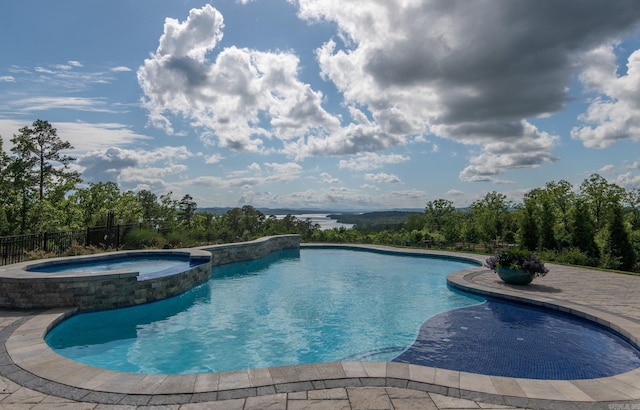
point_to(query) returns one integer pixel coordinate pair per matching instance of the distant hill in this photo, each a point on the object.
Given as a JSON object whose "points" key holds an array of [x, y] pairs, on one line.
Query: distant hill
{"points": [[375, 220], [272, 211], [289, 211]]}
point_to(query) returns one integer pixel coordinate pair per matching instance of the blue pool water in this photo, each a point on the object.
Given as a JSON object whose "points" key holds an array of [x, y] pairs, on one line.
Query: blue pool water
{"points": [[321, 305], [147, 266]]}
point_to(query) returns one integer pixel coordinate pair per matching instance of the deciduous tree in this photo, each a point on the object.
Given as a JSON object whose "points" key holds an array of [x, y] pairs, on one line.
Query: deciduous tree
{"points": [[619, 246], [489, 214], [583, 232], [601, 197]]}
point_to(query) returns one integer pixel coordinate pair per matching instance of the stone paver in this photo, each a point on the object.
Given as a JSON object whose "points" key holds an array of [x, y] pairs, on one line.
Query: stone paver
{"points": [[352, 398], [52, 382]]}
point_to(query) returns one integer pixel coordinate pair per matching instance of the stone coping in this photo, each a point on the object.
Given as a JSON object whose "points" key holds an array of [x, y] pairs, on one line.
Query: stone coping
{"points": [[40, 368]]}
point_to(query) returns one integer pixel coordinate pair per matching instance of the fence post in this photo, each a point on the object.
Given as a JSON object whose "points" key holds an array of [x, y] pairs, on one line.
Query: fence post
{"points": [[88, 241]]}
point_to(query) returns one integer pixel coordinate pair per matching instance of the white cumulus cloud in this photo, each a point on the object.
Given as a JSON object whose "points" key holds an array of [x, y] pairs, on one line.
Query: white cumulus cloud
{"points": [[326, 178], [472, 72], [382, 177], [228, 96], [469, 72], [370, 160], [613, 115], [132, 166]]}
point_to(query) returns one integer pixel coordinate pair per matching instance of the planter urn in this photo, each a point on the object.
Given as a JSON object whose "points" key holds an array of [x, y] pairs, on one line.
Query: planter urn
{"points": [[514, 276]]}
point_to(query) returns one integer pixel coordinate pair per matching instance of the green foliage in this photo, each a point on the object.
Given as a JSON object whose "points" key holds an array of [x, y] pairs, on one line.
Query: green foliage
{"points": [[489, 216], [438, 214], [96, 201], [186, 210], [143, 238], [601, 196], [180, 239], [34, 179], [78, 249], [570, 256], [375, 221], [547, 220], [529, 227], [619, 248], [584, 233], [41, 149], [149, 206]]}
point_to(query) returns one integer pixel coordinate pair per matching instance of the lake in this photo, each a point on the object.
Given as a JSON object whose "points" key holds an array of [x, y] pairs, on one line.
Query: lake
{"points": [[321, 219]]}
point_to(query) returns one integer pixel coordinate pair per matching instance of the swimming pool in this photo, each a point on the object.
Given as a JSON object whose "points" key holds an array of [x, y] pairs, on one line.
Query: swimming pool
{"points": [[293, 307]]}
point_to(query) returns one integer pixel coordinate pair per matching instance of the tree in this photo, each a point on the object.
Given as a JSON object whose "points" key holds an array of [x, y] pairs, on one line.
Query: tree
{"points": [[583, 232], [619, 246], [452, 231], [547, 219], [633, 199], [41, 146], [601, 196], [415, 222], [186, 209], [4, 167], [149, 206], [561, 197], [96, 201], [251, 221], [7, 190], [489, 215], [40, 172], [20, 196], [528, 226], [168, 211], [128, 208], [438, 214]]}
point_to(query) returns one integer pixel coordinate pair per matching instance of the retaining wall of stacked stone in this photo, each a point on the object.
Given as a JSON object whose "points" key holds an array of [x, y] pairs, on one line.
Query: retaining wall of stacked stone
{"points": [[242, 251], [23, 289]]}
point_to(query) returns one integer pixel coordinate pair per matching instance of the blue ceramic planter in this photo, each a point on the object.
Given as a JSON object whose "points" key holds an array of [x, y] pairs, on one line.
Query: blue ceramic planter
{"points": [[514, 276]]}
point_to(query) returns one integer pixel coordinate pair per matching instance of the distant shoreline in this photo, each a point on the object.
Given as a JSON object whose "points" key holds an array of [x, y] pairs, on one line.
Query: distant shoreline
{"points": [[325, 221]]}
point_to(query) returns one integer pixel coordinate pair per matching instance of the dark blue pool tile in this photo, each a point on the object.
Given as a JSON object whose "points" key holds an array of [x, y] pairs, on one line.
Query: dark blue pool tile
{"points": [[505, 339]]}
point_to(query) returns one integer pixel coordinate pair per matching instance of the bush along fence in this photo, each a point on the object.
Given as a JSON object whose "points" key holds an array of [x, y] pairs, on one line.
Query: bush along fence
{"points": [[14, 249]]}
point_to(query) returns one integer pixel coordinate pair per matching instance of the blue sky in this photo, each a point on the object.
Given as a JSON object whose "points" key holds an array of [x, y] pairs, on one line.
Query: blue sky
{"points": [[329, 104]]}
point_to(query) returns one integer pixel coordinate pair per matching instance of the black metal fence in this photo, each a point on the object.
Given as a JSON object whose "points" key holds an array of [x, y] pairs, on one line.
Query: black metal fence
{"points": [[14, 249]]}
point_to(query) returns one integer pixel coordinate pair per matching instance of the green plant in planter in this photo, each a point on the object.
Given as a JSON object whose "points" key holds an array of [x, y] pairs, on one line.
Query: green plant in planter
{"points": [[516, 266]]}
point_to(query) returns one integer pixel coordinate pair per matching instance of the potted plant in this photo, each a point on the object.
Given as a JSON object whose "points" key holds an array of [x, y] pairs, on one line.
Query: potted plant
{"points": [[516, 266]]}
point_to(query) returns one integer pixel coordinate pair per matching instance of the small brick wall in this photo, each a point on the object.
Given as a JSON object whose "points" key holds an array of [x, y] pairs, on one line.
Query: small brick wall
{"points": [[22, 289]]}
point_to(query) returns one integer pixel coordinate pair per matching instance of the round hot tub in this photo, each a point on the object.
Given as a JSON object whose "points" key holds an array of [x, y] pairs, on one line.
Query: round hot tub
{"points": [[104, 281]]}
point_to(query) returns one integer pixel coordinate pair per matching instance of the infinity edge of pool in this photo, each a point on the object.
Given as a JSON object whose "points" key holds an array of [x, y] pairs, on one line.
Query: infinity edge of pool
{"points": [[27, 349]]}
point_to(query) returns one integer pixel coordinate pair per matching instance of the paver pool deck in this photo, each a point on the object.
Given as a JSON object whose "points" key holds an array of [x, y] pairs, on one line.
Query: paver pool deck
{"points": [[32, 376]]}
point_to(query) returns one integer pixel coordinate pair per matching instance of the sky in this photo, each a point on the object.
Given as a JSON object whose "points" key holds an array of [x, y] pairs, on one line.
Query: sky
{"points": [[329, 104]]}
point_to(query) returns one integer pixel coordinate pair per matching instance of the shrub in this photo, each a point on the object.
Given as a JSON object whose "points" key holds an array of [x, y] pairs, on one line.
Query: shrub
{"points": [[177, 239], [571, 256], [141, 238]]}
